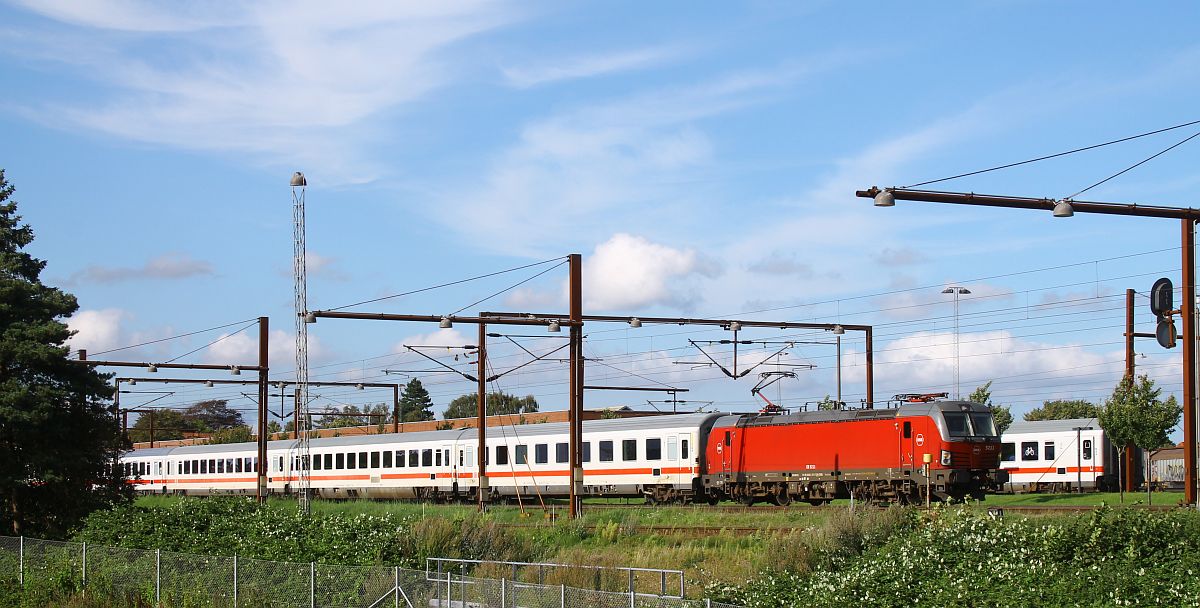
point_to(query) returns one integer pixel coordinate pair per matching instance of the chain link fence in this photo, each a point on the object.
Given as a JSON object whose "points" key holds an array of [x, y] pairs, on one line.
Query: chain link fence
{"points": [[136, 577]]}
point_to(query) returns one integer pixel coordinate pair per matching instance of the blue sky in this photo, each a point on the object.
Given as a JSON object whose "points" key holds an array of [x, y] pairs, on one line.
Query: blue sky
{"points": [[703, 159]]}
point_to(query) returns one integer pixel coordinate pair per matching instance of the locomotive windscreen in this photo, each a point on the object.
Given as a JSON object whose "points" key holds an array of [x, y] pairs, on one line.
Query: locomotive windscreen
{"points": [[976, 424]]}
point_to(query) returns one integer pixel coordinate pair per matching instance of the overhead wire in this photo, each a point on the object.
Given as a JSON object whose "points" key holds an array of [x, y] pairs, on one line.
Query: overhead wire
{"points": [[175, 337], [1055, 155], [458, 282], [1136, 165]]}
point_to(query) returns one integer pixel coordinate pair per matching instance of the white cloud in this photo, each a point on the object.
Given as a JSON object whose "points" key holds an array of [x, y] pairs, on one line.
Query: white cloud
{"points": [[629, 272], [166, 266], [284, 82], [926, 361], [582, 173], [98, 330], [440, 337], [780, 263], [242, 348], [571, 68]]}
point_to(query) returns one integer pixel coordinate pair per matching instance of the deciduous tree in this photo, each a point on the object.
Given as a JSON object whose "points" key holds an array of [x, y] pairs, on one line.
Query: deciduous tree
{"points": [[1063, 409], [497, 403], [1000, 413], [57, 433]]}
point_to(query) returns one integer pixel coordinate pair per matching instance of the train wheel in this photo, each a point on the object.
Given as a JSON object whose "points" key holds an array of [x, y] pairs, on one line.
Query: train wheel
{"points": [[713, 499], [781, 500], [747, 499]]}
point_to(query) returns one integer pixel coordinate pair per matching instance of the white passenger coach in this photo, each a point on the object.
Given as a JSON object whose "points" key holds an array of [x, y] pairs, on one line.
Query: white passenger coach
{"points": [[1058, 455], [656, 457]]}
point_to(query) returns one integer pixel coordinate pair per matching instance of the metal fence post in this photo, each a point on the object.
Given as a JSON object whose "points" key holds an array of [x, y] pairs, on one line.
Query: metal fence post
{"points": [[631, 597], [235, 581], [158, 577], [503, 593], [396, 591], [84, 567], [708, 602], [312, 584], [21, 562], [562, 596]]}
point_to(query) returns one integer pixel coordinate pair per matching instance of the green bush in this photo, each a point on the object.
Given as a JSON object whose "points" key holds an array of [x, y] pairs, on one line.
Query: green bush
{"points": [[959, 557]]}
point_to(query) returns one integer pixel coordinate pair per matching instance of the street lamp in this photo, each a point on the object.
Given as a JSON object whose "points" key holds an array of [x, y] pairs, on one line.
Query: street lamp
{"points": [[957, 291]]}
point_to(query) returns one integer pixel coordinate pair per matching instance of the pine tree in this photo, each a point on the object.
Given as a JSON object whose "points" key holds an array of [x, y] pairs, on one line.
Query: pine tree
{"points": [[415, 402], [57, 435]]}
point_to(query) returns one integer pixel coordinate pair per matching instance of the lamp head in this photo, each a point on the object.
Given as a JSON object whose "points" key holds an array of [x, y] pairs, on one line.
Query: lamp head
{"points": [[885, 198], [635, 322], [554, 327], [1063, 208], [445, 323], [235, 370], [298, 180], [735, 326], [838, 330], [310, 317], [208, 383], [152, 368]]}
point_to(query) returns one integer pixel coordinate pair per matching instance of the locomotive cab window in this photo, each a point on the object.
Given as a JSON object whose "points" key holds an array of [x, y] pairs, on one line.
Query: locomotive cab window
{"points": [[726, 438], [1029, 450], [908, 429], [984, 425], [1008, 452], [956, 424]]}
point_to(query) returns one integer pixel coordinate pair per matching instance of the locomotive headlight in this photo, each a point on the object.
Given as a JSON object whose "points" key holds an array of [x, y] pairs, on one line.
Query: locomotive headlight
{"points": [[945, 458]]}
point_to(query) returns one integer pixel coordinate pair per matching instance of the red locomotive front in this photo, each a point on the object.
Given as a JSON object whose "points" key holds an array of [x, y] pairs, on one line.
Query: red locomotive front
{"points": [[948, 449]]}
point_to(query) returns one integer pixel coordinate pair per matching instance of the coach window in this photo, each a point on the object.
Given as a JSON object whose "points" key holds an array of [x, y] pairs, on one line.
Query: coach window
{"points": [[1008, 452], [426, 458], [501, 454], [1087, 449], [562, 452], [351, 460], [238, 464], [438, 458], [250, 464], [204, 467], [1029, 450], [362, 460], [412, 458], [387, 459], [374, 460], [470, 450], [629, 449], [400, 458], [329, 462], [317, 462], [606, 451], [683, 449], [521, 455], [341, 461], [1049, 450], [653, 449], [587, 452], [541, 453], [446, 453], [229, 465]]}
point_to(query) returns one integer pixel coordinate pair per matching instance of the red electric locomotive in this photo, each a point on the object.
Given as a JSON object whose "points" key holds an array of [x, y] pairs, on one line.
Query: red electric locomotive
{"points": [[948, 449]]}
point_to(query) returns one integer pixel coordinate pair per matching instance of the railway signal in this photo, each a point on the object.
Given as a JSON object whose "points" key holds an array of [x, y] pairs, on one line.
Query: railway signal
{"points": [[1162, 304]]}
